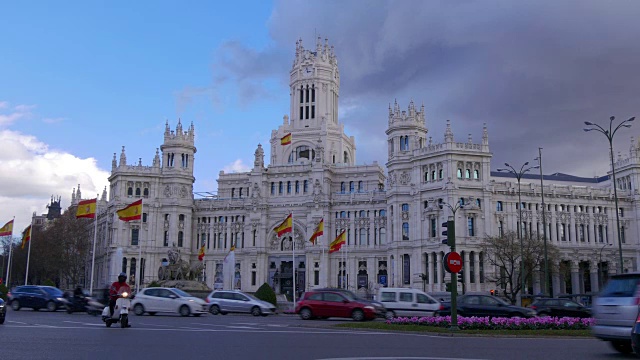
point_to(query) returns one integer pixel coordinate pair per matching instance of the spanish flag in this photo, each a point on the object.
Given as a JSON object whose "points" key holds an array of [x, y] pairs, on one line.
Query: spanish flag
{"points": [[286, 226], [86, 209], [26, 236], [319, 231], [131, 212], [7, 229], [286, 140], [338, 242], [201, 253]]}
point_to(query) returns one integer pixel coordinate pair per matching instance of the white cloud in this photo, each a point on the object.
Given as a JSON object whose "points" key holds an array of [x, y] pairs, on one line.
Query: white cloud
{"points": [[17, 113], [53, 120], [32, 173], [236, 166]]}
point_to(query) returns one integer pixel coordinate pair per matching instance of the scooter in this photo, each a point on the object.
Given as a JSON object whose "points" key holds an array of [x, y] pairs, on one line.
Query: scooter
{"points": [[120, 312], [82, 304]]}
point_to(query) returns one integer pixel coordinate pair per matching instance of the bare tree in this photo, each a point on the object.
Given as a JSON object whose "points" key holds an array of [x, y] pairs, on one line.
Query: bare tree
{"points": [[504, 253]]}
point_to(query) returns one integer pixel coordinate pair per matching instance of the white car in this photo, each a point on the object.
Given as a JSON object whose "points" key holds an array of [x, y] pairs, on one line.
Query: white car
{"points": [[168, 300]]}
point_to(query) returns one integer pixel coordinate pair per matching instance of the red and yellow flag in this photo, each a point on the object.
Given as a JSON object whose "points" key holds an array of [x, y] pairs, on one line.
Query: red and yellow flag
{"points": [[286, 226], [338, 242], [319, 231], [7, 229], [26, 236], [86, 209], [201, 253], [286, 140], [131, 212]]}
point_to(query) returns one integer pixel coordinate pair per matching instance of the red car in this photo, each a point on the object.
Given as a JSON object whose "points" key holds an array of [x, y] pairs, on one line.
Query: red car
{"points": [[325, 304]]}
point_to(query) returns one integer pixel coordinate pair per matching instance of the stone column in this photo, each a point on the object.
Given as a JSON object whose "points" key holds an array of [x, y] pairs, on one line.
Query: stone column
{"points": [[591, 237], [431, 270], [555, 284], [439, 270], [575, 277], [536, 281], [593, 275], [467, 270], [476, 273]]}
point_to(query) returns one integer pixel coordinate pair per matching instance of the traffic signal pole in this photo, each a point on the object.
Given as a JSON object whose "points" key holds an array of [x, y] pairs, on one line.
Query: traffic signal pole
{"points": [[451, 241]]}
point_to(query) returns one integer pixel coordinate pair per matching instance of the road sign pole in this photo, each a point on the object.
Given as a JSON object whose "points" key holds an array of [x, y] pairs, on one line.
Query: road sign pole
{"points": [[451, 239]]}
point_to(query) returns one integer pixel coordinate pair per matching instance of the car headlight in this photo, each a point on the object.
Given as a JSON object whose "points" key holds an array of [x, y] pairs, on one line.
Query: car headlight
{"points": [[369, 307], [60, 299], [1, 306], [191, 300]]}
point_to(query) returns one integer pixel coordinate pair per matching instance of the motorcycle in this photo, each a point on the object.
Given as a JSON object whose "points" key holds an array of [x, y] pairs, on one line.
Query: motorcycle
{"points": [[120, 312], [82, 304]]}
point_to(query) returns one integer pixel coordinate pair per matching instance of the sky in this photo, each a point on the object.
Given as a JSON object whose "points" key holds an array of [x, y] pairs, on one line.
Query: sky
{"points": [[79, 80]]}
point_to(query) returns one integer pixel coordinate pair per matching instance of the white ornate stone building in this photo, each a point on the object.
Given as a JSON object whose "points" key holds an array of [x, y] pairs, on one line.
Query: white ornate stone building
{"points": [[391, 214]]}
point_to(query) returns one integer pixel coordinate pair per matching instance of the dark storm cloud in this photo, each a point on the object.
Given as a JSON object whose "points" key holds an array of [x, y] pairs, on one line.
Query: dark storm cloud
{"points": [[534, 72]]}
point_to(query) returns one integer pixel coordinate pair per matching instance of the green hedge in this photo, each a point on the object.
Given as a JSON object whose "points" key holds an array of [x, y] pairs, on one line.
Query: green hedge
{"points": [[266, 293]]}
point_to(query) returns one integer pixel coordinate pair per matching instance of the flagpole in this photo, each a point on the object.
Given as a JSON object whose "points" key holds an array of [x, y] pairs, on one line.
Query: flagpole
{"points": [[93, 253], [26, 275], [10, 253], [139, 265], [293, 241]]}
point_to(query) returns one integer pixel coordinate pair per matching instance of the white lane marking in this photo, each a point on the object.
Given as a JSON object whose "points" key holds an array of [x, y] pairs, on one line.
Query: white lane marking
{"points": [[242, 327], [83, 323], [208, 324], [250, 324], [400, 358], [160, 325], [17, 322]]}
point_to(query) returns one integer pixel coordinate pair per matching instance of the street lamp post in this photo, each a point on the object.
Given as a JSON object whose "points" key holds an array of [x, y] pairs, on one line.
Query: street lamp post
{"points": [[600, 266], [518, 174], [544, 229], [609, 134]]}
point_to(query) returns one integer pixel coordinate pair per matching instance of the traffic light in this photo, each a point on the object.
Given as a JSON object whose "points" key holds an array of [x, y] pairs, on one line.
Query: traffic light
{"points": [[492, 292], [450, 233], [460, 278]]}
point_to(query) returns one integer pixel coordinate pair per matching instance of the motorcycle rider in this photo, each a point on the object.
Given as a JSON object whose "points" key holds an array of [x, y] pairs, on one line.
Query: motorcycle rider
{"points": [[117, 288]]}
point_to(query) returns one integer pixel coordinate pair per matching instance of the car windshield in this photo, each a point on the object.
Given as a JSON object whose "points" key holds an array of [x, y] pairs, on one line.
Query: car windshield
{"points": [[620, 287], [53, 291], [181, 293]]}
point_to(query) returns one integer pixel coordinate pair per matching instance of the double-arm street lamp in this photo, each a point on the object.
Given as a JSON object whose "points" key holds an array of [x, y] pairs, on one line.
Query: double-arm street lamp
{"points": [[609, 134], [518, 174]]}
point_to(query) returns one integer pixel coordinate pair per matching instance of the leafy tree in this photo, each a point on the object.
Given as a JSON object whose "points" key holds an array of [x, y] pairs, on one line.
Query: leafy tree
{"points": [[503, 252], [266, 293]]}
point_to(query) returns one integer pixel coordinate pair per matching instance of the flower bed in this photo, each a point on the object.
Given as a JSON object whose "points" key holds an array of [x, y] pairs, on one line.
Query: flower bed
{"points": [[498, 323]]}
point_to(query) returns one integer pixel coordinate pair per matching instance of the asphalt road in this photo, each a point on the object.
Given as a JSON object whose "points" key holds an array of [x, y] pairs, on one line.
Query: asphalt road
{"points": [[29, 334]]}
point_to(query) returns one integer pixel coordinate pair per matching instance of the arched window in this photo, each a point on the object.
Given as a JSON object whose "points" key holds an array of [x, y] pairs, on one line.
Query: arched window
{"points": [[383, 213], [305, 186], [343, 214], [346, 158], [233, 192], [405, 207], [130, 191], [145, 193], [459, 173], [297, 186], [360, 186], [426, 176], [302, 152], [273, 188], [433, 175], [351, 186], [137, 191], [362, 213], [476, 174], [440, 174], [288, 187], [343, 187], [467, 174], [180, 238], [405, 231], [280, 187]]}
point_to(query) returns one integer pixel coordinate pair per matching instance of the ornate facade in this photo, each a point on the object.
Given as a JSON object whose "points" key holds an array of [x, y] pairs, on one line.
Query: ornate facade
{"points": [[393, 221]]}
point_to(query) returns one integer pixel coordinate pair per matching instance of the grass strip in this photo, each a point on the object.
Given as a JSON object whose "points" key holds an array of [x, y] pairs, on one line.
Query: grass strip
{"points": [[440, 330]]}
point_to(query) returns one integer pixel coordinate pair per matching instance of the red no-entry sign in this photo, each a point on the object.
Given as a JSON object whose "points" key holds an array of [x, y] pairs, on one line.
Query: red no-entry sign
{"points": [[452, 262]]}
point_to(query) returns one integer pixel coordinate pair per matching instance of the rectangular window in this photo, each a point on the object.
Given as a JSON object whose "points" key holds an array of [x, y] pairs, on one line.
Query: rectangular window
{"points": [[305, 186], [621, 212], [166, 238], [622, 235], [253, 278], [406, 269], [405, 231], [434, 229], [470, 224], [499, 206], [301, 112], [500, 229], [144, 217], [316, 277], [134, 236]]}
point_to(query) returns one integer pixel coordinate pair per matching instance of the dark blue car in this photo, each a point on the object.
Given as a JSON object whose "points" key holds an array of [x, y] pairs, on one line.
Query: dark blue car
{"points": [[3, 311], [36, 298]]}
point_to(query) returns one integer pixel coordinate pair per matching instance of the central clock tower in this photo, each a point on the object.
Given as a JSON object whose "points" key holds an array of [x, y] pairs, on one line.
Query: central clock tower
{"points": [[314, 85]]}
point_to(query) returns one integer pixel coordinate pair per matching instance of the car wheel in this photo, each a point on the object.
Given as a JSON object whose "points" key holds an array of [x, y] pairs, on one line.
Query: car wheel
{"points": [[389, 314], [214, 310], [51, 306], [15, 305], [138, 309], [623, 347], [306, 314], [124, 321], [184, 310], [255, 311], [357, 315]]}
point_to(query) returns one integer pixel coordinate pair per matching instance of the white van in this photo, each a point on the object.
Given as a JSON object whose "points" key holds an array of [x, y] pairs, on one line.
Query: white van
{"points": [[407, 302]]}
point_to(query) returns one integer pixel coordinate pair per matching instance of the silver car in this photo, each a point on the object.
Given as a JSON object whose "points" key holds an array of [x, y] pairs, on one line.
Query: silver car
{"points": [[233, 301], [615, 311]]}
